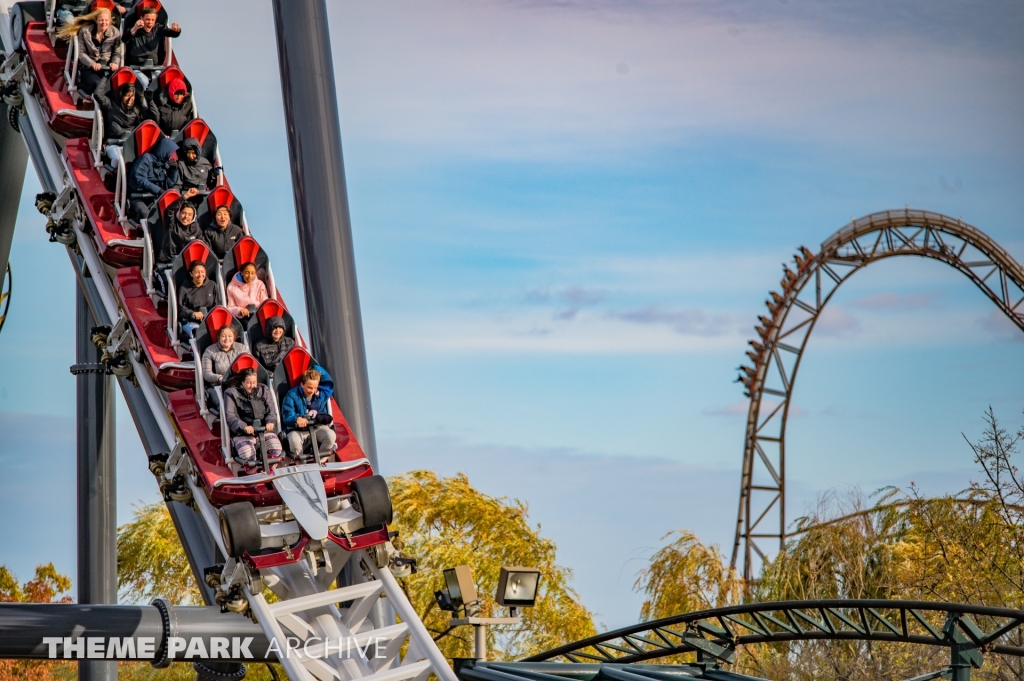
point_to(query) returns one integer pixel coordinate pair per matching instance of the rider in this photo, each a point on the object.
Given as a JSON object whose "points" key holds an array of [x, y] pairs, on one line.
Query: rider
{"points": [[152, 173], [218, 358], [272, 349], [222, 234], [305, 409], [172, 106], [98, 47], [142, 41], [195, 173], [180, 227], [122, 111], [196, 298], [248, 407], [245, 292]]}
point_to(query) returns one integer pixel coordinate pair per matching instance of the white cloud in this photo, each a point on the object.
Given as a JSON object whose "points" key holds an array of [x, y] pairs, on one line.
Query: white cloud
{"points": [[997, 324], [587, 332], [689, 322], [898, 302], [496, 79], [835, 322]]}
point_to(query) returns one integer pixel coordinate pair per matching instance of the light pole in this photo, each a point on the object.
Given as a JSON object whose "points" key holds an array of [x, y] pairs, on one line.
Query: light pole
{"points": [[517, 588]]}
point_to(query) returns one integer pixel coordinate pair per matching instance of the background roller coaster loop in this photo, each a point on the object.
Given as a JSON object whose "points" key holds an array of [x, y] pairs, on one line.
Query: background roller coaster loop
{"points": [[792, 314]]}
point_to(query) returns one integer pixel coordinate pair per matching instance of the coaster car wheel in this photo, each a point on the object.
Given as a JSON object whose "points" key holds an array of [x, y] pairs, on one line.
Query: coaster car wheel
{"points": [[373, 500], [240, 529]]}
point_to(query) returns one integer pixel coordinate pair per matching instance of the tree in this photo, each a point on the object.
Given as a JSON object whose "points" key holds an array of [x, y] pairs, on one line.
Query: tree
{"points": [[441, 522], [686, 576], [151, 562], [444, 522], [46, 587], [967, 547]]}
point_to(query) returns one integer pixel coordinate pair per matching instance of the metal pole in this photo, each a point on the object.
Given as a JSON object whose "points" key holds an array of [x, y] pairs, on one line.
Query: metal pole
{"points": [[97, 493], [321, 208], [480, 634], [24, 626], [13, 161]]}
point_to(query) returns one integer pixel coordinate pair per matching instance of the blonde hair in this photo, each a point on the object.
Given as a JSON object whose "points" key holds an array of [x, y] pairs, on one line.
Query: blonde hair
{"points": [[72, 27]]}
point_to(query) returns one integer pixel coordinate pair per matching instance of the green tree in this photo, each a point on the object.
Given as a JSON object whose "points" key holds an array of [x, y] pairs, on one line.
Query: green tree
{"points": [[47, 586], [444, 522], [151, 562], [967, 547], [686, 576]]}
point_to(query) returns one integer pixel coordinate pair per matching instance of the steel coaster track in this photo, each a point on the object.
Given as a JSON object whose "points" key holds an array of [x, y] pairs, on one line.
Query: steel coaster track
{"points": [[714, 635], [309, 611], [792, 314]]}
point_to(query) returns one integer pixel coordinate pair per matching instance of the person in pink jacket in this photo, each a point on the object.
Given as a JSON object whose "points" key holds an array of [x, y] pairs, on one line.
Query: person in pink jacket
{"points": [[245, 292]]}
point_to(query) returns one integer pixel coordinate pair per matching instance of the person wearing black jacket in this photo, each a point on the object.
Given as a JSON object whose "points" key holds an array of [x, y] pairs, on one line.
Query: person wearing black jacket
{"points": [[250, 406], [123, 111], [195, 298], [142, 41], [222, 234], [272, 349], [172, 106], [195, 173], [180, 227]]}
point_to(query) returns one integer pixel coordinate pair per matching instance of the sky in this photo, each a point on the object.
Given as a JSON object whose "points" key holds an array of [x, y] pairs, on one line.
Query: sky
{"points": [[567, 216]]}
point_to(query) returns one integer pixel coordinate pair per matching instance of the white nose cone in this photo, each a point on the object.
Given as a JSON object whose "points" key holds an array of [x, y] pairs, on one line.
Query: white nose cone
{"points": [[304, 495]]}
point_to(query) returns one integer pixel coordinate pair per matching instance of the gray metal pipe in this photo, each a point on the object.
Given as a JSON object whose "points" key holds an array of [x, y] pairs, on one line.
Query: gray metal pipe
{"points": [[13, 161], [97, 481], [200, 547], [321, 208], [24, 626]]}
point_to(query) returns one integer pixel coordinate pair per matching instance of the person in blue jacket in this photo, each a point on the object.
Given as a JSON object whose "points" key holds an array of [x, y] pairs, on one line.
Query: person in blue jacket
{"points": [[305, 411], [152, 173]]}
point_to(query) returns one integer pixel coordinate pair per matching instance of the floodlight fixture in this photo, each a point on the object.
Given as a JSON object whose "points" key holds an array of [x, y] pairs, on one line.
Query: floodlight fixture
{"points": [[518, 587], [459, 582], [444, 601]]}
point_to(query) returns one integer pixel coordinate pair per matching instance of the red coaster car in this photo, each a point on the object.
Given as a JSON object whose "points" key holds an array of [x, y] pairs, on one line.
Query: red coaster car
{"points": [[272, 517]]}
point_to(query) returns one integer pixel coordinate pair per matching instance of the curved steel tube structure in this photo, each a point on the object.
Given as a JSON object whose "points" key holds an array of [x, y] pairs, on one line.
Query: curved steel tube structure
{"points": [[25, 626], [715, 634], [792, 314]]}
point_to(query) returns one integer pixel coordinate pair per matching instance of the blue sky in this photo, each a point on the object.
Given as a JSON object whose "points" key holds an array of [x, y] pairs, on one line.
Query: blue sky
{"points": [[567, 216]]}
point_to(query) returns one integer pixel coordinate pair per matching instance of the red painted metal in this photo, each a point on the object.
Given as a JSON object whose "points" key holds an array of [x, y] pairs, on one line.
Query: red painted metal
{"points": [[121, 77], [146, 135], [196, 128], [150, 330], [98, 203], [48, 69]]}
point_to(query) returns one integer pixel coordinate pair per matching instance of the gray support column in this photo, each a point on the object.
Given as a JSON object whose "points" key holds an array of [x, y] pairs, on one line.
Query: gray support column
{"points": [[97, 495], [321, 208], [13, 161]]}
